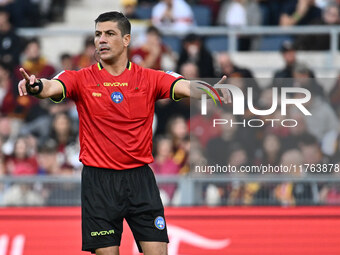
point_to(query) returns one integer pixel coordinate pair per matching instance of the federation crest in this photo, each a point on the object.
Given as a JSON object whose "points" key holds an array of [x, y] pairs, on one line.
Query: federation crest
{"points": [[117, 97], [160, 223]]}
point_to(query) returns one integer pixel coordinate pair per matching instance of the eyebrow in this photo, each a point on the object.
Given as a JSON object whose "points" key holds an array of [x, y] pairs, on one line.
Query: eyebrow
{"points": [[106, 31]]}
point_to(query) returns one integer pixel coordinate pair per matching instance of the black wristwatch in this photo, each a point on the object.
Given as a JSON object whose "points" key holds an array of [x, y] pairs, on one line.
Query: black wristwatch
{"points": [[29, 86]]}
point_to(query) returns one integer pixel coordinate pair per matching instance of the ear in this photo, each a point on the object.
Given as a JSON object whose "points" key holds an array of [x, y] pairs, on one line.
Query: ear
{"points": [[126, 40]]}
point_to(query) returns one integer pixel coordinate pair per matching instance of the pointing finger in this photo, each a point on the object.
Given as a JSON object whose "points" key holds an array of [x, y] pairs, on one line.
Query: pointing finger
{"points": [[24, 74], [223, 79]]}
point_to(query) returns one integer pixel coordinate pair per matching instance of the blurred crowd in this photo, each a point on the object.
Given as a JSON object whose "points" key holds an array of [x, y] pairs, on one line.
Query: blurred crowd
{"points": [[40, 138], [181, 15]]}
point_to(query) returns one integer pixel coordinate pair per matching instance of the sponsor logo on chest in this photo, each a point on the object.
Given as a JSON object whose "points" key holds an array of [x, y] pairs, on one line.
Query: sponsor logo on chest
{"points": [[115, 84]]}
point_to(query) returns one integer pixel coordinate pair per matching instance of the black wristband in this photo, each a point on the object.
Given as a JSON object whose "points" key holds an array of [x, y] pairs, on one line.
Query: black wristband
{"points": [[29, 86]]}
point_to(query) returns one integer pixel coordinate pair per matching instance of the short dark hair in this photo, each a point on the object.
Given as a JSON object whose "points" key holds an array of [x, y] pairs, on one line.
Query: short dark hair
{"points": [[65, 56], [153, 30], [114, 16], [33, 40]]}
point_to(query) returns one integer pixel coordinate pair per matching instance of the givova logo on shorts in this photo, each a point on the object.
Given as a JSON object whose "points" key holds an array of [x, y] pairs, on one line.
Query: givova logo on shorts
{"points": [[103, 232]]}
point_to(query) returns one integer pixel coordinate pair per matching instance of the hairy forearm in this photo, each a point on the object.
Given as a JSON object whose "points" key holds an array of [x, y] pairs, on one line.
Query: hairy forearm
{"points": [[51, 89]]}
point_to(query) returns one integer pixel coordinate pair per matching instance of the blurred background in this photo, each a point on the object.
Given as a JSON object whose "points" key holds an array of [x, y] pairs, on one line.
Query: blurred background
{"points": [[257, 43]]}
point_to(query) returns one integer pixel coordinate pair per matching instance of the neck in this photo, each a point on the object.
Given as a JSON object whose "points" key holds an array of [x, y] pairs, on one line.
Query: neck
{"points": [[115, 66]]}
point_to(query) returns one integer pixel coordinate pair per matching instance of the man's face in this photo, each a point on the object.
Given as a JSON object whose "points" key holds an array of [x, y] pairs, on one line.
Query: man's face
{"points": [[331, 15], [32, 51], [289, 57], [109, 42]]}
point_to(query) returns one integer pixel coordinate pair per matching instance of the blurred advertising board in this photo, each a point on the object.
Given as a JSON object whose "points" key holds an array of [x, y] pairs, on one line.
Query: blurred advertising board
{"points": [[192, 230]]}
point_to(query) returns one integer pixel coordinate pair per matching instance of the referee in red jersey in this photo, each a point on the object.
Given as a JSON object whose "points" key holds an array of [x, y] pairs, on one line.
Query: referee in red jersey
{"points": [[115, 101]]}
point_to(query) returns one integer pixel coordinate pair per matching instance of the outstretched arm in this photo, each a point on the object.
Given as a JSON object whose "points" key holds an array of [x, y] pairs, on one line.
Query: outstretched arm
{"points": [[30, 85], [193, 89]]}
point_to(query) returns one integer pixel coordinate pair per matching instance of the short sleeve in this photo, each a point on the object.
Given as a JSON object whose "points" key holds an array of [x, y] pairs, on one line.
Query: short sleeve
{"points": [[165, 84], [68, 80]]}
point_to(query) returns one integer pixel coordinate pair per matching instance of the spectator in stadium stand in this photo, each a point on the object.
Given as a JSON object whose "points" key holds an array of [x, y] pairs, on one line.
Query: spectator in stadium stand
{"points": [[226, 66], [270, 12], [299, 12], [178, 132], [66, 62], [330, 145], [165, 109], [288, 52], [242, 194], [21, 162], [334, 96], [29, 108], [86, 57], [11, 44], [330, 192], [323, 118], [47, 158], [56, 10], [289, 193], [200, 126], [165, 164], [218, 148], [129, 9], [284, 77], [7, 132], [271, 150], [173, 14], [330, 17], [63, 134], [115, 101], [193, 50], [292, 140], [240, 13], [214, 6], [238, 156], [304, 76], [34, 62], [149, 55], [311, 150], [302, 191], [2, 159], [239, 193], [189, 70], [24, 13], [7, 97], [22, 195]]}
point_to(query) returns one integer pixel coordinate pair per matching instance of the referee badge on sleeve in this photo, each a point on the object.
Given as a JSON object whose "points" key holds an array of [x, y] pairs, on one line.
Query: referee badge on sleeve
{"points": [[160, 223], [176, 75]]}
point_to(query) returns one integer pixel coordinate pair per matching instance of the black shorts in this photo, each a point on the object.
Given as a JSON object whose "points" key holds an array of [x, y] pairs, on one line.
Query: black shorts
{"points": [[109, 196]]}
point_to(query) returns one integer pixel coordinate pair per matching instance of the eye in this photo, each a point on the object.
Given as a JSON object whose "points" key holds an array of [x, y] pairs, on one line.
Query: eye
{"points": [[111, 34]]}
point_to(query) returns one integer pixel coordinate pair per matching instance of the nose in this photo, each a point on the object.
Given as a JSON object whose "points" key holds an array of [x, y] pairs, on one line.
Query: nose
{"points": [[102, 38]]}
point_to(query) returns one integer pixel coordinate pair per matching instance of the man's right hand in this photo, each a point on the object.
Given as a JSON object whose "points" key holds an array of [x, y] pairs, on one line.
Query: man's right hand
{"points": [[30, 80]]}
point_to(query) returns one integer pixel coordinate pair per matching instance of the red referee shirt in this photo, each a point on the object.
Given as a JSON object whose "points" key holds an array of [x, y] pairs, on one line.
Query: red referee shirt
{"points": [[116, 112]]}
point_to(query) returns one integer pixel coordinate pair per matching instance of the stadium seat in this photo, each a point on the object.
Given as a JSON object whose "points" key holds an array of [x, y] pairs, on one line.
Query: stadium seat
{"points": [[273, 43], [202, 15], [173, 42], [217, 43], [144, 12]]}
